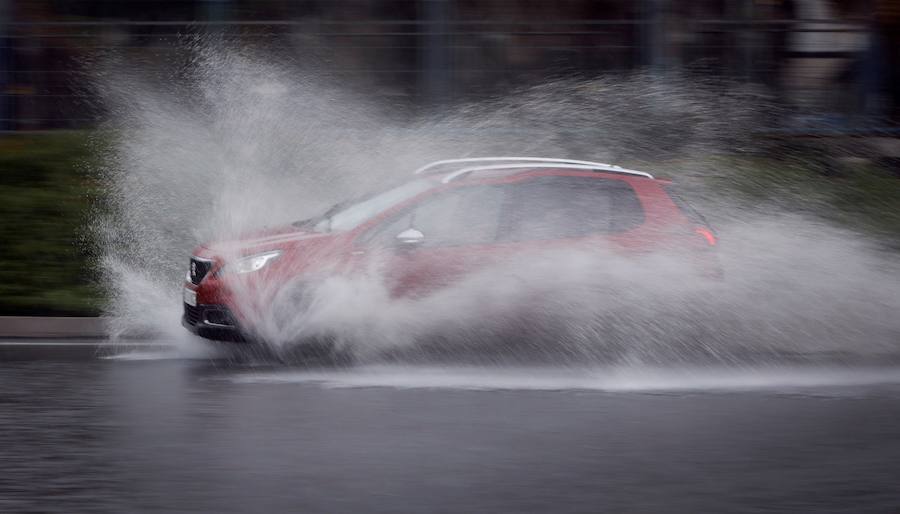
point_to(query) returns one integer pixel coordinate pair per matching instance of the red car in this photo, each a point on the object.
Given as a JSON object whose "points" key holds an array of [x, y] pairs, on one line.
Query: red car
{"points": [[454, 217]]}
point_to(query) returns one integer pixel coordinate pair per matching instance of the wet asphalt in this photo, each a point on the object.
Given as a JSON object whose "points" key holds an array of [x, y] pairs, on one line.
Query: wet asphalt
{"points": [[153, 431]]}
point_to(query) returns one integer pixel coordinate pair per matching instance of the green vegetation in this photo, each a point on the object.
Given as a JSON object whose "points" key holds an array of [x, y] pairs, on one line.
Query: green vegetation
{"points": [[47, 191], [860, 195], [45, 195]]}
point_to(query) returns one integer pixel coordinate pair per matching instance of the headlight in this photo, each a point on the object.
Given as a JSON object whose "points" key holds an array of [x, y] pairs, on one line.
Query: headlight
{"points": [[253, 263]]}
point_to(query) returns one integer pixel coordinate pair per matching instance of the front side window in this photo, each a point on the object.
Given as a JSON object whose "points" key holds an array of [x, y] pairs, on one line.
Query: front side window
{"points": [[463, 216]]}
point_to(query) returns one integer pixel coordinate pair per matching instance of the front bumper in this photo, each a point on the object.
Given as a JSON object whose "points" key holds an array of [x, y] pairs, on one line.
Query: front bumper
{"points": [[212, 322]]}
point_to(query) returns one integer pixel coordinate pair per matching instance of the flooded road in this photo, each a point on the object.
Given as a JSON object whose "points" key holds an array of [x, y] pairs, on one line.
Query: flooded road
{"points": [[153, 433]]}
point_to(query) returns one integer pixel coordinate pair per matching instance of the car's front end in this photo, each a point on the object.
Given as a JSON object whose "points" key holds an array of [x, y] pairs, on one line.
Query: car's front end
{"points": [[208, 310], [230, 286]]}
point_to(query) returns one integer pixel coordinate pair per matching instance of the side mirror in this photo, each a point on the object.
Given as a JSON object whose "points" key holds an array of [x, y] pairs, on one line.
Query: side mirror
{"points": [[409, 238]]}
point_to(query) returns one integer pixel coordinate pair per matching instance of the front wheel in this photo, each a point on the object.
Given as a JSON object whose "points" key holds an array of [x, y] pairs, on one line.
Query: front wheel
{"points": [[316, 351]]}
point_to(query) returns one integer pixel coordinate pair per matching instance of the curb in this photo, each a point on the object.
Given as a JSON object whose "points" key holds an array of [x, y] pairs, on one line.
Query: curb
{"points": [[51, 327]]}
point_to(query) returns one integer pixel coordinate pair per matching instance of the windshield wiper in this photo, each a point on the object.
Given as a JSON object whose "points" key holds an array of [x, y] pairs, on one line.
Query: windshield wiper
{"points": [[316, 219]]}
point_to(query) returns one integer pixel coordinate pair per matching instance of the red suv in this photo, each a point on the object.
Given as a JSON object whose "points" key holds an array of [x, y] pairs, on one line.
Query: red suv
{"points": [[453, 217]]}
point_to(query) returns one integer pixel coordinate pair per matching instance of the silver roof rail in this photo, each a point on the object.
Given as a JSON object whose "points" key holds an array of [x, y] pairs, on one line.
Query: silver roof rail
{"points": [[593, 167], [468, 160]]}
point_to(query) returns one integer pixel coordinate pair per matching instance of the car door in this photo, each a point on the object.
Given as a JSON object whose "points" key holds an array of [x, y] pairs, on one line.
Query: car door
{"points": [[444, 237]]}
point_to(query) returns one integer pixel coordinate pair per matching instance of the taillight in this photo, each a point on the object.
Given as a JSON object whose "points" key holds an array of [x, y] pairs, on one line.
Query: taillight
{"points": [[707, 234]]}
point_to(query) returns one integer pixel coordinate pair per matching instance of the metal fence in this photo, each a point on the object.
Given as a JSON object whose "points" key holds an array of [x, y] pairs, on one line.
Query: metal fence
{"points": [[839, 73]]}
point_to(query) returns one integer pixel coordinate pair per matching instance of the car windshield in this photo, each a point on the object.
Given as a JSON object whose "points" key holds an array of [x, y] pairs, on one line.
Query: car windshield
{"points": [[349, 215]]}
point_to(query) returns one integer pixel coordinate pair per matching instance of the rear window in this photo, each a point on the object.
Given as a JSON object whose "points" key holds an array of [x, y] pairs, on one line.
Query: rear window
{"points": [[568, 207], [686, 208]]}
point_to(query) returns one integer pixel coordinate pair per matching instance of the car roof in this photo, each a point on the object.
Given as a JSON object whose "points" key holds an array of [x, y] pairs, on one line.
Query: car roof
{"points": [[492, 175], [496, 167]]}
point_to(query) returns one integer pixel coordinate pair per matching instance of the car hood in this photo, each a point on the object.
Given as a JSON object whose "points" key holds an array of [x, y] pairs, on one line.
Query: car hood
{"points": [[286, 239]]}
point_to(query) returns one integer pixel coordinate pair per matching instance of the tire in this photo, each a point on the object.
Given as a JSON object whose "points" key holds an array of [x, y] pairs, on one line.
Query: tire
{"points": [[316, 351]]}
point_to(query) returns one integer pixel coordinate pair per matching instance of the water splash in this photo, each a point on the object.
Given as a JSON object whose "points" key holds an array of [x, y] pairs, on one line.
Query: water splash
{"points": [[236, 140], [797, 380]]}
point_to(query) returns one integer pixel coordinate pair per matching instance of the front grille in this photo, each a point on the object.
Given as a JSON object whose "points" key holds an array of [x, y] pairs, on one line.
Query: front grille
{"points": [[212, 322], [192, 314], [198, 269], [218, 316]]}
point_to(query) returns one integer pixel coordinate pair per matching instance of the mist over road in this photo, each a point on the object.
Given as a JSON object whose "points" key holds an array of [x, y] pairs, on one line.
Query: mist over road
{"points": [[148, 432]]}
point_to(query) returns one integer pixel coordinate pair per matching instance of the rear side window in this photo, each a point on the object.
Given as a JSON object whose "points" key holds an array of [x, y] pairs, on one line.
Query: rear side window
{"points": [[568, 207]]}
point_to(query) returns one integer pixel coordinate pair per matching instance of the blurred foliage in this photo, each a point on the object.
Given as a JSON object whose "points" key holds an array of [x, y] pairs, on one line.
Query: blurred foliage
{"points": [[48, 190], [854, 193], [46, 193]]}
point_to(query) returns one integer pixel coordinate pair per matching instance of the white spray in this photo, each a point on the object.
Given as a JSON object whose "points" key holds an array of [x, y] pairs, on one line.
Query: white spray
{"points": [[240, 142]]}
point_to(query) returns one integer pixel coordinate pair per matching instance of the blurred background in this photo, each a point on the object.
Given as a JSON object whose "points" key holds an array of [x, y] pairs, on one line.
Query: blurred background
{"points": [[836, 59], [834, 62]]}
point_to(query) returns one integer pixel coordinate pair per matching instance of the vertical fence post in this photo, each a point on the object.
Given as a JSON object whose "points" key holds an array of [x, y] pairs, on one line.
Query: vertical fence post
{"points": [[869, 80], [6, 64], [435, 60], [215, 11], [652, 35], [747, 36]]}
